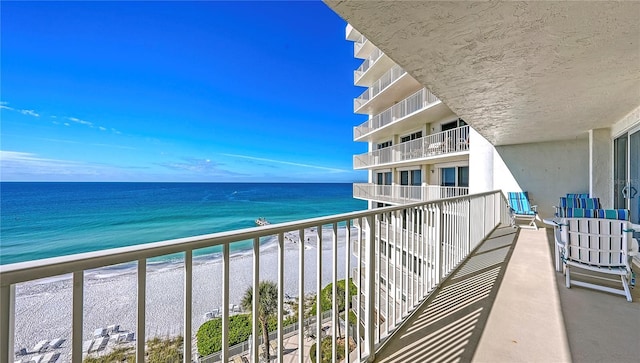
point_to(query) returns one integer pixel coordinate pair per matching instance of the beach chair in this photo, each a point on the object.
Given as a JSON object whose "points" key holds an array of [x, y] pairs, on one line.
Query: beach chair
{"points": [[522, 210], [599, 245], [56, 343], [51, 357], [568, 202], [577, 195], [40, 347], [36, 359]]}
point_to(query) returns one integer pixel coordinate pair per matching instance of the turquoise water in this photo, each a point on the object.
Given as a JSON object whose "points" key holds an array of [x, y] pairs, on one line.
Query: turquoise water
{"points": [[42, 220]]}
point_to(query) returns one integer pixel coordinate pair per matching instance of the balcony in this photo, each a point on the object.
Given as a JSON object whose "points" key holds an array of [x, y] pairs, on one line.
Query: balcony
{"points": [[362, 47], [404, 110], [394, 85], [443, 146], [457, 225], [403, 194], [372, 68], [506, 303]]}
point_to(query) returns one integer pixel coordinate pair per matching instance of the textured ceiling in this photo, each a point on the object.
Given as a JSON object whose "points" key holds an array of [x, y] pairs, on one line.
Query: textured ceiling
{"points": [[518, 72]]}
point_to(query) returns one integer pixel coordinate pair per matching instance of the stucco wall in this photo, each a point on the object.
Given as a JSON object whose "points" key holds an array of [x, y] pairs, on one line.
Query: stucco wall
{"points": [[546, 170]]}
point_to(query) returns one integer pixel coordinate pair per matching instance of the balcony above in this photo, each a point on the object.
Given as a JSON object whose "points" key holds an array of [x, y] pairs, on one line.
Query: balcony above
{"points": [[403, 194], [450, 145], [352, 33], [362, 47], [372, 68], [419, 108], [395, 85]]}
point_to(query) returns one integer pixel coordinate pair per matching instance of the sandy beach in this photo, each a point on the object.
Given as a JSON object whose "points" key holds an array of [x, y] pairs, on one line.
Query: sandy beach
{"points": [[43, 308]]}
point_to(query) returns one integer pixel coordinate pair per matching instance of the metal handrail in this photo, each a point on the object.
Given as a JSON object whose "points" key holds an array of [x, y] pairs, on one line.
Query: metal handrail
{"points": [[418, 101], [445, 142], [441, 217]]}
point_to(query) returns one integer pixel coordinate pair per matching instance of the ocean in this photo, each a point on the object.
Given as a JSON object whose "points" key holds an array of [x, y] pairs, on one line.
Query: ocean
{"points": [[42, 220]]}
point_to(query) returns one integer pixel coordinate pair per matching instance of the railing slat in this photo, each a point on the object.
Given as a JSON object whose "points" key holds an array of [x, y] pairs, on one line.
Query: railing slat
{"points": [[141, 297], [369, 304], [334, 316], [225, 303], [77, 316], [319, 295], [256, 293], [188, 304], [280, 337], [347, 294], [7, 322], [359, 298], [301, 294]]}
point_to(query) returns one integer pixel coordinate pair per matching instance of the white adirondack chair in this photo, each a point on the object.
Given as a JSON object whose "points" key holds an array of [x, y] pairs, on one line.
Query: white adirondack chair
{"points": [[600, 245]]}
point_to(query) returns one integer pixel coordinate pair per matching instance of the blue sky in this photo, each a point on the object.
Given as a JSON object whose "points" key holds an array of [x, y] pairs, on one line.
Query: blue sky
{"points": [[161, 91]]}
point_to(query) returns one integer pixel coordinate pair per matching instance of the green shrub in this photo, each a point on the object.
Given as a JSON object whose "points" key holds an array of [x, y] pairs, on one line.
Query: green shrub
{"points": [[326, 296], [210, 333]]}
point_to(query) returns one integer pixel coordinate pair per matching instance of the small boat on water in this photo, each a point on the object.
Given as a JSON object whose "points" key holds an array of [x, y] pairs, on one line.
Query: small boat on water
{"points": [[262, 221]]}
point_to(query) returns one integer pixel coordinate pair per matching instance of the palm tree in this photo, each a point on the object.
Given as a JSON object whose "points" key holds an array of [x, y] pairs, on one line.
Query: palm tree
{"points": [[267, 306]]}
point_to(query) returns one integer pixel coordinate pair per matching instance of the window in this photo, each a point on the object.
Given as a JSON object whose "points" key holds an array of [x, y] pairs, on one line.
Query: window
{"points": [[453, 124], [454, 177], [448, 177], [404, 258], [416, 177], [383, 145], [383, 248], [415, 135], [463, 176], [384, 178]]}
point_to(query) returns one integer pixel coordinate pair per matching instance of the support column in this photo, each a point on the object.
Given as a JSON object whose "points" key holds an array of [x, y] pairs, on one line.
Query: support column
{"points": [[601, 166]]}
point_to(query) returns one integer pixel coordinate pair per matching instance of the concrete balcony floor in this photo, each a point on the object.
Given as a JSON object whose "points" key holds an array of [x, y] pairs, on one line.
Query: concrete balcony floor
{"points": [[506, 303]]}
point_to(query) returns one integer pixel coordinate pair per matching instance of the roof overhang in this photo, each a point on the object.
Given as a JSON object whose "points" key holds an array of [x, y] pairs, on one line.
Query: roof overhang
{"points": [[518, 72]]}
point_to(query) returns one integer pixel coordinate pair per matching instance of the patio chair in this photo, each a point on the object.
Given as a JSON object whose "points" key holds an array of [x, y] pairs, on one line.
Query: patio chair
{"points": [[522, 210], [568, 202], [599, 245], [577, 195]]}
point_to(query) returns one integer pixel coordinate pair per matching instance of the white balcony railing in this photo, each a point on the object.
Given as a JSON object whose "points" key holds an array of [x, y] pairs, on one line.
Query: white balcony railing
{"points": [[358, 44], [380, 85], [375, 55], [452, 228], [445, 142], [418, 101], [405, 193]]}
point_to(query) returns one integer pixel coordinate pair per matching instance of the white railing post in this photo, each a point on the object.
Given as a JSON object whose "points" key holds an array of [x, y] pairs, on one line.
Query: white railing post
{"points": [[359, 298], [7, 322], [188, 304], [370, 276], [280, 296], [256, 300], [334, 317], [77, 316], [301, 331], [347, 292], [224, 355], [141, 313], [318, 295]]}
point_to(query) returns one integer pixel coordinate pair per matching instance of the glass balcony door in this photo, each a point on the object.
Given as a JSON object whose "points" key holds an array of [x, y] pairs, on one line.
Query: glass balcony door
{"points": [[627, 173]]}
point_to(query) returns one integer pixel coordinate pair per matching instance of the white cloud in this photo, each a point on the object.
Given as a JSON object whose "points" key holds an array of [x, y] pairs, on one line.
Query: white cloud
{"points": [[115, 131], [3, 105], [30, 113], [67, 124], [333, 170], [79, 121], [29, 163], [102, 128]]}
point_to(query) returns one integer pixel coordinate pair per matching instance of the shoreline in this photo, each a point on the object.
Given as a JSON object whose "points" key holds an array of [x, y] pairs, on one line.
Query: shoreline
{"points": [[43, 307]]}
